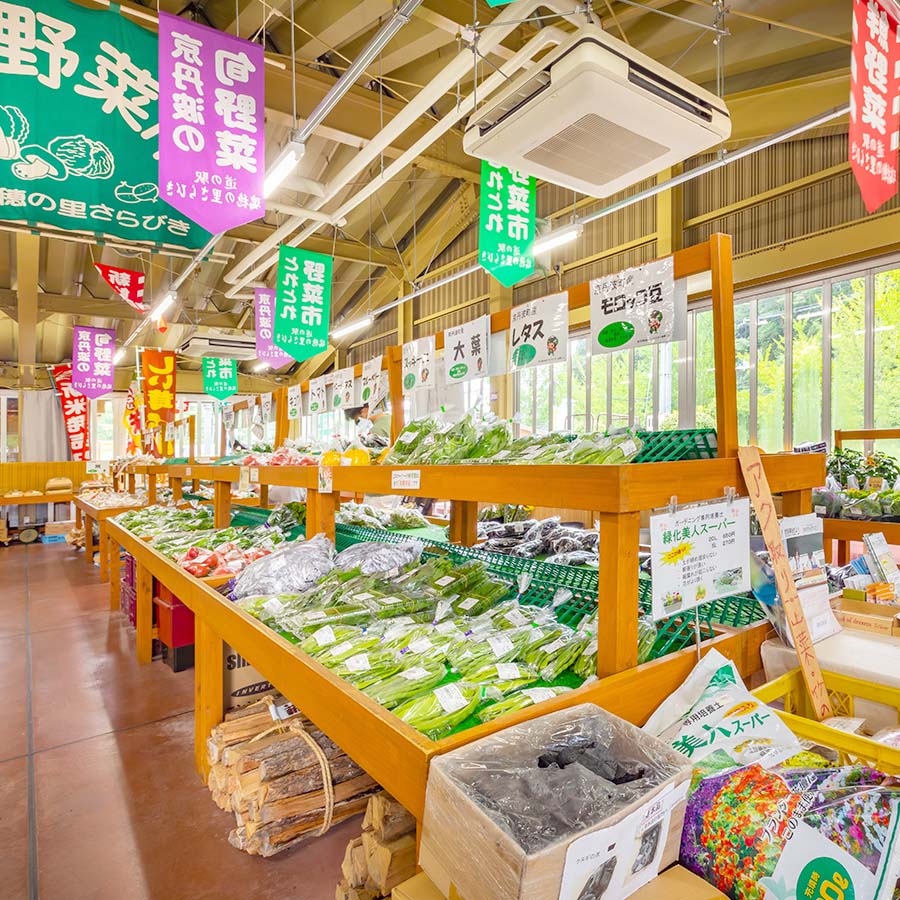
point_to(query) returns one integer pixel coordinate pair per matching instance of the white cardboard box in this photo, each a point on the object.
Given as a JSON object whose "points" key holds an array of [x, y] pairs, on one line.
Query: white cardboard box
{"points": [[241, 682]]}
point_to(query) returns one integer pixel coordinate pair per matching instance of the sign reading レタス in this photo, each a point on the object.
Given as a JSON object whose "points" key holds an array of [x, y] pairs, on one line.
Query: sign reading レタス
{"points": [[539, 332], [506, 223], [219, 377], [466, 350], [302, 302]]}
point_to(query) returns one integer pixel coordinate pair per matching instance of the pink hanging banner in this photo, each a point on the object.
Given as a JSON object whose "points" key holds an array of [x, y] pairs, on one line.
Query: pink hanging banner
{"points": [[264, 306], [92, 360], [212, 159]]}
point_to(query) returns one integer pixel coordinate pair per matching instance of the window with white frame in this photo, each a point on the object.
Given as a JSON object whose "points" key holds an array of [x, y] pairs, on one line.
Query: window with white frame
{"points": [[9, 426]]}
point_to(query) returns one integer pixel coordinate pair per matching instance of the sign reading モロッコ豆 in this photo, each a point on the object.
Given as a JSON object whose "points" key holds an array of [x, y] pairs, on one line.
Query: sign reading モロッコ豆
{"points": [[212, 157], [302, 302], [78, 124]]}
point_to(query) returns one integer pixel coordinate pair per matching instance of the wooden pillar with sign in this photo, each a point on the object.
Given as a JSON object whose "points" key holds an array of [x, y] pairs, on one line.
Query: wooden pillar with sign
{"points": [[222, 504]]}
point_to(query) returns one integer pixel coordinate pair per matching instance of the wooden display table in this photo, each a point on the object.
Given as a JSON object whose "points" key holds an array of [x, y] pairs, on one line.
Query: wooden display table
{"points": [[86, 514], [37, 499]]}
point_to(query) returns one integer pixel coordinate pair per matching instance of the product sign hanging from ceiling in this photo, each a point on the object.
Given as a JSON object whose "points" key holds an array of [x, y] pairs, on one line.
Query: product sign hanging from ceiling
{"points": [[212, 158], [506, 223], [418, 364], [317, 395], [874, 140], [75, 412], [158, 375], [79, 129], [264, 312], [539, 332], [466, 350], [342, 388], [302, 302], [92, 360], [128, 284], [220, 377], [371, 381]]}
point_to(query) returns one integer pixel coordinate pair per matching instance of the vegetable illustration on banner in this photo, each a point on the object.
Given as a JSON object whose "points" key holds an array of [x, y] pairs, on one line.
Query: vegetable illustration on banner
{"points": [[371, 382], [874, 108], [506, 223], [539, 332], [75, 412], [127, 284], [317, 395], [342, 388], [302, 302], [212, 158], [418, 364], [636, 307], [158, 373], [92, 360], [219, 377], [264, 311], [293, 402], [79, 132], [466, 350]]}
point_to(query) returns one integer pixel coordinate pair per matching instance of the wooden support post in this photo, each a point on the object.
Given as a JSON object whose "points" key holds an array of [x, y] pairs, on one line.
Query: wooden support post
{"points": [[328, 504], [177, 489], [222, 504], [723, 343], [88, 540], [395, 386], [151, 489], [312, 513], [208, 689], [282, 423], [617, 603], [796, 503], [464, 522], [79, 521], [104, 550], [144, 614], [131, 482], [114, 552], [192, 439], [263, 495]]}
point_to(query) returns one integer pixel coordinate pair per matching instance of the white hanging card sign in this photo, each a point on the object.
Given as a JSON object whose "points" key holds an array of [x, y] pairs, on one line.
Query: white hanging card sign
{"points": [[539, 332], [317, 392], [418, 364], [170, 432], [342, 388], [228, 416], [293, 402], [466, 350], [371, 381], [265, 402]]}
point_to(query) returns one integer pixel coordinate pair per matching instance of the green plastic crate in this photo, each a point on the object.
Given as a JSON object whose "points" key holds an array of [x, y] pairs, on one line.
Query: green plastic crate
{"points": [[675, 446], [736, 612]]}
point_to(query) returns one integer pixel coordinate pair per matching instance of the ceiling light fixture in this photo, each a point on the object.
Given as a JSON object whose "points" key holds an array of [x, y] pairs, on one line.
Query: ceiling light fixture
{"points": [[284, 164], [120, 355], [162, 306], [261, 367], [558, 238], [350, 327]]}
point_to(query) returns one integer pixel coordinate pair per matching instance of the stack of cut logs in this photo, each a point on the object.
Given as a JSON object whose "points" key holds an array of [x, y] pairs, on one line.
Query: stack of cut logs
{"points": [[266, 773], [383, 856]]}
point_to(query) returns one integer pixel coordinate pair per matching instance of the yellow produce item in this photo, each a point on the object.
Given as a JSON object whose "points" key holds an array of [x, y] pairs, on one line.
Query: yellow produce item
{"points": [[331, 458], [357, 456], [382, 455]]}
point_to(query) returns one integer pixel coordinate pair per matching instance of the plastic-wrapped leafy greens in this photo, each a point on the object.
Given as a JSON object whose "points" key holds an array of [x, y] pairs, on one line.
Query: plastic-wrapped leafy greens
{"points": [[373, 558], [409, 440], [365, 669], [519, 700], [501, 679], [327, 636], [442, 709], [293, 568], [493, 439], [407, 683]]}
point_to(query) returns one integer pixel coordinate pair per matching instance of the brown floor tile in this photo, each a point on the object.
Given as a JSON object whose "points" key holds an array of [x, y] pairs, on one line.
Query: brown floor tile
{"points": [[14, 828], [13, 709], [125, 817], [12, 608]]}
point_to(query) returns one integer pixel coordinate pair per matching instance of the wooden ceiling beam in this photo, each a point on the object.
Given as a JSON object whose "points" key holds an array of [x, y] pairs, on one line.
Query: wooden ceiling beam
{"points": [[28, 253]]}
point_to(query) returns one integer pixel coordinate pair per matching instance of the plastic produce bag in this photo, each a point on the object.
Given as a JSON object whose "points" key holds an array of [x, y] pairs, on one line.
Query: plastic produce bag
{"points": [[519, 700], [375, 558], [293, 568]]}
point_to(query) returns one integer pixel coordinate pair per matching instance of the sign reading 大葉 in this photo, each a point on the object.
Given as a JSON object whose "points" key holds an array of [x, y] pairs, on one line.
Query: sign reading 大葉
{"points": [[219, 377], [92, 360], [466, 350], [302, 302], [539, 332], [636, 307], [78, 124], [506, 223], [212, 156], [264, 311]]}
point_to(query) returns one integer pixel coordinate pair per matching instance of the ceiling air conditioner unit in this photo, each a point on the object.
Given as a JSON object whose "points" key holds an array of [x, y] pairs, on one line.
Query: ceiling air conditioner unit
{"points": [[227, 346], [597, 116]]}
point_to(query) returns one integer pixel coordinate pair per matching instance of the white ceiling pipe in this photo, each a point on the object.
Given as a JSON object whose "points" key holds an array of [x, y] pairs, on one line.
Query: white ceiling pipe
{"points": [[311, 214], [457, 68]]}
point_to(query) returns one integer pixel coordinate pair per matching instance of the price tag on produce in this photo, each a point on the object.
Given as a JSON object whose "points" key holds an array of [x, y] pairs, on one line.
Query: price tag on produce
{"points": [[326, 480], [187, 472], [406, 480], [170, 431], [244, 479], [254, 475]]}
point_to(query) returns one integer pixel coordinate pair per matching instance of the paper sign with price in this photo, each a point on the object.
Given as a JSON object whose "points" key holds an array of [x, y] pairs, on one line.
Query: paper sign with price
{"points": [[761, 498], [326, 480], [406, 479]]}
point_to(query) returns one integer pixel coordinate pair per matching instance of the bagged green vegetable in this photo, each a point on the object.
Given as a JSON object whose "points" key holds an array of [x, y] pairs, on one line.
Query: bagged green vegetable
{"points": [[409, 440], [365, 669], [471, 655], [439, 711], [519, 700], [552, 658], [323, 638], [501, 679], [407, 684]]}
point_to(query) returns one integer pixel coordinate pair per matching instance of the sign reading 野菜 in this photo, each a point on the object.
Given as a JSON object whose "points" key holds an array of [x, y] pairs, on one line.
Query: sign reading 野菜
{"points": [[75, 412], [418, 364], [302, 302], [264, 311], [219, 377], [466, 350], [506, 223], [129, 285], [158, 375], [539, 332], [212, 157], [79, 127], [92, 360], [699, 553]]}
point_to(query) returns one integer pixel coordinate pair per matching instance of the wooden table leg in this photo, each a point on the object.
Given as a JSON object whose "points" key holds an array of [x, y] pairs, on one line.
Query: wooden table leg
{"points": [[617, 609], [131, 482], [88, 540], [144, 614], [114, 551], [264, 496], [208, 690], [177, 490], [843, 553], [151, 490], [78, 520], [104, 551], [222, 504], [464, 522]]}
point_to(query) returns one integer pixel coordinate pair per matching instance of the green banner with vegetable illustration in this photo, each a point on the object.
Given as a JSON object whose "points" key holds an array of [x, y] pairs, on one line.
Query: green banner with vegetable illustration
{"points": [[78, 124]]}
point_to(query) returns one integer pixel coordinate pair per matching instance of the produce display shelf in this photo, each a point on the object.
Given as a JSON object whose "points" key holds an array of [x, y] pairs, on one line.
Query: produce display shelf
{"points": [[845, 531], [86, 514], [39, 499], [673, 446]]}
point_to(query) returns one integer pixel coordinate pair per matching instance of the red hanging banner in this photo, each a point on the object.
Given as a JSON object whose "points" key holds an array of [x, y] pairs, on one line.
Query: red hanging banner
{"points": [[127, 284], [874, 102], [158, 373], [75, 409]]}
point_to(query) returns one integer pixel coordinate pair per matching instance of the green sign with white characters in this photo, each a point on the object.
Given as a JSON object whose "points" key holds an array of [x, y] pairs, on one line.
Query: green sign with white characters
{"points": [[220, 378], [302, 302], [506, 223]]}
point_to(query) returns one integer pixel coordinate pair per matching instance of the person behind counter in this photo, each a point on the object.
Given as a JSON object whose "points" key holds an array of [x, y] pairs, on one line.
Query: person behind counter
{"points": [[379, 422]]}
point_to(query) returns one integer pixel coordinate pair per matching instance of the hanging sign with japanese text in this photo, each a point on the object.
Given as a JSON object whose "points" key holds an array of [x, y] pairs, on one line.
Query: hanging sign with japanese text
{"points": [[302, 302], [92, 360], [127, 284], [699, 553], [317, 395], [342, 388], [212, 159], [294, 402], [506, 223], [75, 412], [418, 364], [466, 350], [539, 332], [158, 375], [371, 382], [636, 307], [874, 105], [264, 310], [78, 131], [228, 416], [219, 377], [265, 406]]}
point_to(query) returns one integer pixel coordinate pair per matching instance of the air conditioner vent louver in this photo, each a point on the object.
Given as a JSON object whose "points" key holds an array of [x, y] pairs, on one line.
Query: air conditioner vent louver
{"points": [[595, 148], [521, 95]]}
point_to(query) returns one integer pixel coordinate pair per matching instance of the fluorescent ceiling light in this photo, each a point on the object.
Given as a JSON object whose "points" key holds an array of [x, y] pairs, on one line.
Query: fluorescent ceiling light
{"points": [[261, 367], [285, 163], [162, 306], [120, 355], [556, 239], [349, 328]]}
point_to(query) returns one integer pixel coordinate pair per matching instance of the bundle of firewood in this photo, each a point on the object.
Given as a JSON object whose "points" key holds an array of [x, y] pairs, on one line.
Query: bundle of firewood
{"points": [[264, 771], [383, 856]]}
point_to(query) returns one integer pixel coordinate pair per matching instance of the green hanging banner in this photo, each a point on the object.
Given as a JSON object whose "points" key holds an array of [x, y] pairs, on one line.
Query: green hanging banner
{"points": [[506, 223], [79, 127], [499, 2], [302, 302], [219, 377]]}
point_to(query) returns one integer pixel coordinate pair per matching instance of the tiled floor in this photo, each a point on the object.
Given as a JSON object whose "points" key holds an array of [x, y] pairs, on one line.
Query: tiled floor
{"points": [[98, 791]]}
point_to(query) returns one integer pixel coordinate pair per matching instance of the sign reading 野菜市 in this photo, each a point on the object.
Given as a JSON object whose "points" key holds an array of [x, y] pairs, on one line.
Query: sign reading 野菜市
{"points": [[342, 388], [699, 553], [212, 156], [219, 377], [294, 402], [78, 124], [418, 364], [129, 285], [75, 412], [506, 223], [92, 360], [539, 332], [635, 307], [264, 308], [302, 302], [317, 395], [371, 381], [466, 350], [158, 374]]}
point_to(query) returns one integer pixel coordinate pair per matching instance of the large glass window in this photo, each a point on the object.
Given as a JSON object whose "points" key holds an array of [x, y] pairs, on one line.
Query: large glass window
{"points": [[848, 353], [704, 370], [745, 367], [806, 365], [886, 388], [9, 428], [770, 342]]}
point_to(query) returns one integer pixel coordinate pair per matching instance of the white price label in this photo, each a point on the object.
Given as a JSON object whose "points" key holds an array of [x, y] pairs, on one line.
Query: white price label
{"points": [[358, 663], [244, 479], [406, 480], [325, 636], [508, 671], [389, 601], [285, 711], [273, 607], [187, 472], [445, 580], [539, 694], [500, 644], [341, 649], [407, 437], [315, 616], [450, 697], [417, 673], [469, 603], [515, 617], [254, 476], [552, 648], [363, 596], [422, 645]]}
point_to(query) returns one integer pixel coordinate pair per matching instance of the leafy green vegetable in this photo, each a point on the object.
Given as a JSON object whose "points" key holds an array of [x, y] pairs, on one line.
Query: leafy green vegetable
{"points": [[440, 710], [407, 683], [502, 678]]}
